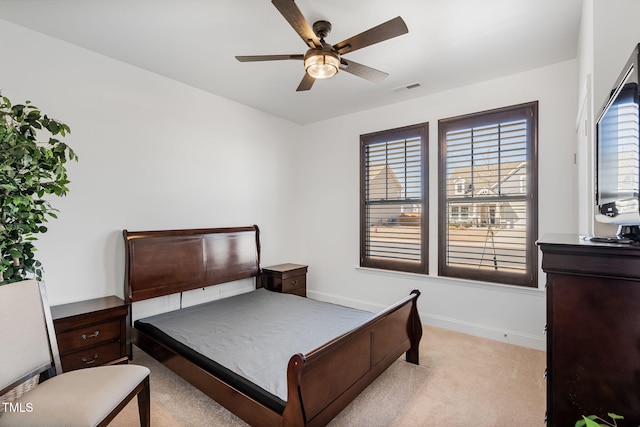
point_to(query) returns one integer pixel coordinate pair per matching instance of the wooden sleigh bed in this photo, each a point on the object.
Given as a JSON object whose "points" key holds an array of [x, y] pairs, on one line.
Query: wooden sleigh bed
{"points": [[319, 384]]}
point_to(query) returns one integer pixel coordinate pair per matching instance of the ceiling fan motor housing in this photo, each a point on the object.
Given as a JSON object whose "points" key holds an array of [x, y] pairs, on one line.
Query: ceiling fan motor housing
{"points": [[322, 29]]}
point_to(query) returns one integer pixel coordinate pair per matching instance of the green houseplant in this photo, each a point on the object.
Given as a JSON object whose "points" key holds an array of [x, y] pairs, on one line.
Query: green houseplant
{"points": [[32, 161], [596, 421]]}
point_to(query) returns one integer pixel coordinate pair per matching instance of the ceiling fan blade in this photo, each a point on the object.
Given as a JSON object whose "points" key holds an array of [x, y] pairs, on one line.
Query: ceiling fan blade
{"points": [[367, 73], [294, 17], [253, 58], [306, 83], [385, 31]]}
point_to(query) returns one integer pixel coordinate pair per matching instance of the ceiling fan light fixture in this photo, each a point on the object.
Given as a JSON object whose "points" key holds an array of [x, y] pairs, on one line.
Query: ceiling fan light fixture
{"points": [[321, 64]]}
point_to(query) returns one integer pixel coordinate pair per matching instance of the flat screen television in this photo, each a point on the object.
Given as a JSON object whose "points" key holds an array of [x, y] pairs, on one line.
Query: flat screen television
{"points": [[618, 156]]}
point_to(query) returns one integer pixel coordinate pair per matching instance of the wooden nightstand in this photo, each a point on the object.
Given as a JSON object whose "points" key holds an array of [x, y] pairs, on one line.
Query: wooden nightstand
{"points": [[92, 332], [286, 278]]}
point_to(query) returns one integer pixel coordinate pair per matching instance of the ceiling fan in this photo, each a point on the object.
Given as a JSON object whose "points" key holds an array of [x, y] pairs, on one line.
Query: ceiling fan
{"points": [[323, 60]]}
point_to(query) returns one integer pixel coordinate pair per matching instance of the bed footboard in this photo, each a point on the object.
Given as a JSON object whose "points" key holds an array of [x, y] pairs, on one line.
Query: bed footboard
{"points": [[325, 381]]}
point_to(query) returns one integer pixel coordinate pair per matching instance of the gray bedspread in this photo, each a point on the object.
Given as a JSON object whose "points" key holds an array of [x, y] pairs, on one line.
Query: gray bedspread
{"points": [[256, 333]]}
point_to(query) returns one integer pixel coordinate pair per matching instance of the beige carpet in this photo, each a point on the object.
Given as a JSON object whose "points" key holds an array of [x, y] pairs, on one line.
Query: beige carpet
{"points": [[461, 381]]}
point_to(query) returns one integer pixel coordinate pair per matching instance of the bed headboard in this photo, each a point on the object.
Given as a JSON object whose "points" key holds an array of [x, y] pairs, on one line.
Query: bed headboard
{"points": [[165, 262]]}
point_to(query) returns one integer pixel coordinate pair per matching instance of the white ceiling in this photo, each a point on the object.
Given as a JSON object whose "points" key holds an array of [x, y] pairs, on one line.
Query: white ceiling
{"points": [[451, 43]]}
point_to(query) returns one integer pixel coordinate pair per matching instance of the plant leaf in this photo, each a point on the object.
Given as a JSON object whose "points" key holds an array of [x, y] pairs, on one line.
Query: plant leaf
{"points": [[590, 423]]}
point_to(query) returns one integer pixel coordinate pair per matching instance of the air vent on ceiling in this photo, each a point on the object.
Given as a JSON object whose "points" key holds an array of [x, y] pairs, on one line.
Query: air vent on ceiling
{"points": [[407, 87]]}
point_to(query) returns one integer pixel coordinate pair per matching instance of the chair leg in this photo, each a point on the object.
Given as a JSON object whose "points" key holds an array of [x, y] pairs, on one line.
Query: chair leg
{"points": [[144, 404]]}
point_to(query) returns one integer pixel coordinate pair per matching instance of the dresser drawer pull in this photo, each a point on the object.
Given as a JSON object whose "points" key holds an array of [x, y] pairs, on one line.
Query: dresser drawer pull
{"points": [[93, 335], [89, 362], [294, 283]]}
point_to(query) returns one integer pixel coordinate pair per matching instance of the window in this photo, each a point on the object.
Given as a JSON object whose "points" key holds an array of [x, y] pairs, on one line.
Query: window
{"points": [[464, 213], [459, 186], [489, 231], [455, 214], [393, 199]]}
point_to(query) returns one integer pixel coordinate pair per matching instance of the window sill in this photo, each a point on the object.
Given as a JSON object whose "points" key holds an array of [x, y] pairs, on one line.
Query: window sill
{"points": [[427, 278]]}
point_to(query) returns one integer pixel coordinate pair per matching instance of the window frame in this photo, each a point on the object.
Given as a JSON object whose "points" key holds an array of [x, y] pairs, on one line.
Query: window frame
{"points": [[529, 112], [420, 130]]}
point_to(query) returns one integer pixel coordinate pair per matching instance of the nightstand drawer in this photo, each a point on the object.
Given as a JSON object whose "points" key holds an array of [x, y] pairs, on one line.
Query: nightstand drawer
{"points": [[294, 283], [88, 336], [94, 356], [91, 332]]}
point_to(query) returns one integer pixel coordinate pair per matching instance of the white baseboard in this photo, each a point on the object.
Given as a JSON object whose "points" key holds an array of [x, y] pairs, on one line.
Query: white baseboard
{"points": [[483, 331], [536, 342]]}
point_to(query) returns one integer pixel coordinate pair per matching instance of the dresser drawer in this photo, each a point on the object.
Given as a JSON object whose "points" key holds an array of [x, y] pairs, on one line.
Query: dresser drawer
{"points": [[88, 336], [291, 284], [94, 356]]}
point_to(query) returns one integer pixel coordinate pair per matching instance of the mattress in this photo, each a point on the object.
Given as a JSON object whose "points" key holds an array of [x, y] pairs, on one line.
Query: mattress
{"points": [[247, 340]]}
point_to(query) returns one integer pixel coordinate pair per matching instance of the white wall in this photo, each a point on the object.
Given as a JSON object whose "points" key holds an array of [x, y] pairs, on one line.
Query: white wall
{"points": [[616, 32], [328, 212], [584, 123], [154, 154], [157, 154]]}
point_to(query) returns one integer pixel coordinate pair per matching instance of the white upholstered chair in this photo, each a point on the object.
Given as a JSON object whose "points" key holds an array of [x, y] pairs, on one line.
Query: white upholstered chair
{"points": [[28, 347]]}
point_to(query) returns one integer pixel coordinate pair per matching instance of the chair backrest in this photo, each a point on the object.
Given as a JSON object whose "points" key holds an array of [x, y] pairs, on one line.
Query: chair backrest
{"points": [[25, 325]]}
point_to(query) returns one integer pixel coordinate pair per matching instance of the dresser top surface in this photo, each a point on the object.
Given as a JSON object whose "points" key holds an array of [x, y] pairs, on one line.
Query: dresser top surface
{"points": [[571, 239], [88, 306]]}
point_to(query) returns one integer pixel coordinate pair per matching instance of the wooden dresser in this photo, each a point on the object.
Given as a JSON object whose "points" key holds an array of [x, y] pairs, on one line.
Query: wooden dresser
{"points": [[286, 278], [593, 329], [92, 332]]}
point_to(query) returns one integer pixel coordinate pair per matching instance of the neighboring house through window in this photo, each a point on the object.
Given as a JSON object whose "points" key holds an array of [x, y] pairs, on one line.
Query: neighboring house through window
{"points": [[393, 199], [488, 231]]}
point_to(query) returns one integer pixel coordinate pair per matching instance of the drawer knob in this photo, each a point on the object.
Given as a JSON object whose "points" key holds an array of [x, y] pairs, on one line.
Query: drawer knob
{"points": [[89, 362], [294, 283], [93, 335]]}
